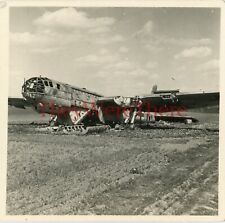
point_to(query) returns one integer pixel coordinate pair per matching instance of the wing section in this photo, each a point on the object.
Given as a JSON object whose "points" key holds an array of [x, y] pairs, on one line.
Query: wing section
{"points": [[116, 109], [155, 101], [18, 103], [185, 100], [117, 101], [199, 100]]}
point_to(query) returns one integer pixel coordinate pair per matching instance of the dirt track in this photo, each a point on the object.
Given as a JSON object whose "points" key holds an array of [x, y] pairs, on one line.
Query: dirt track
{"points": [[140, 172]]}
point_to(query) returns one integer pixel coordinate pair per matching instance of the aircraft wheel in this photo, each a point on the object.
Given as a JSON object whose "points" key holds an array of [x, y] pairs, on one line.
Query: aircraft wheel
{"points": [[188, 121]]}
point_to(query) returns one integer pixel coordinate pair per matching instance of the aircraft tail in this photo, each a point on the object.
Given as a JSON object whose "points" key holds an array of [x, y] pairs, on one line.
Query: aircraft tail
{"points": [[154, 89]]}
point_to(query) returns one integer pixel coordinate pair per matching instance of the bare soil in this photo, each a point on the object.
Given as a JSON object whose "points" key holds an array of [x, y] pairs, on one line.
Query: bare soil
{"points": [[139, 172]]}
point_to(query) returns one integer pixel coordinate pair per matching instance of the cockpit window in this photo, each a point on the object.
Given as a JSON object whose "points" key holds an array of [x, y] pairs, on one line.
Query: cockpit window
{"points": [[34, 85], [46, 83], [31, 85], [58, 86], [50, 83]]}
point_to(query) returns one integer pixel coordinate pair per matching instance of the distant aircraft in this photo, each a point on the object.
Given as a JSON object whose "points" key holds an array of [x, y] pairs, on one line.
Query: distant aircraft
{"points": [[71, 105]]}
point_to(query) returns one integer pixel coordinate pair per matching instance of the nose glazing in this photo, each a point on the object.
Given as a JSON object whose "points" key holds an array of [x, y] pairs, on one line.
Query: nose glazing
{"points": [[33, 87]]}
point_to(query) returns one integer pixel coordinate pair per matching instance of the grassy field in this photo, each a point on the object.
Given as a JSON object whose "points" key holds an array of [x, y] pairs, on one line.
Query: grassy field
{"points": [[139, 172], [25, 116]]}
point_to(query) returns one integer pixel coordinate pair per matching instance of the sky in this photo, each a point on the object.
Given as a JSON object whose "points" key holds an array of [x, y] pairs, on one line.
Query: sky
{"points": [[116, 51]]}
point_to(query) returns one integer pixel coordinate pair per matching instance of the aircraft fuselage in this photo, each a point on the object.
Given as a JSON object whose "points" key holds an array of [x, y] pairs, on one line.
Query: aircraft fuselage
{"points": [[70, 104], [48, 96]]}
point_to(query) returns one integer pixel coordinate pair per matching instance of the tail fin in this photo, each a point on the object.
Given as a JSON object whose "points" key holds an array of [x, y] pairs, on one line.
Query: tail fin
{"points": [[154, 89]]}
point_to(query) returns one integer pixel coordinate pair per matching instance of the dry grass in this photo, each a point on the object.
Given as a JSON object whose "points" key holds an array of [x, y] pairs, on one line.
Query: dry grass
{"points": [[68, 174]]}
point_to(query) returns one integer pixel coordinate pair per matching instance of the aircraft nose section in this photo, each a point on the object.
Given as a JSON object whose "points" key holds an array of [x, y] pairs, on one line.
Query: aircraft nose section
{"points": [[33, 88]]}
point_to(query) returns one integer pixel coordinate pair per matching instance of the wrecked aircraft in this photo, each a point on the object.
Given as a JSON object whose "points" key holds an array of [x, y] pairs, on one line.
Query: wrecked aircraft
{"points": [[79, 108]]}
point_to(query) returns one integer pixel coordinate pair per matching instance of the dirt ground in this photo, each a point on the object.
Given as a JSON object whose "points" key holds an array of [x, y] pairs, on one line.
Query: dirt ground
{"points": [[132, 172]]}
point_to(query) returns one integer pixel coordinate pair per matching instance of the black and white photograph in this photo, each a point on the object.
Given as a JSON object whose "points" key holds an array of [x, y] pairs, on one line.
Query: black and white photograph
{"points": [[113, 111]]}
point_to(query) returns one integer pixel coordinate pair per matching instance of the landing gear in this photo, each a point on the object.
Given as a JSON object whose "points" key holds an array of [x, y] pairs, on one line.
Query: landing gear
{"points": [[69, 123], [130, 119], [63, 119], [53, 121], [188, 121], [133, 118]]}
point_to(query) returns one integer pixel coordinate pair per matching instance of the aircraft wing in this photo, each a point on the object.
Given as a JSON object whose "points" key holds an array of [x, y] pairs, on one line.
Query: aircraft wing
{"points": [[185, 100], [116, 109], [18, 102], [155, 101]]}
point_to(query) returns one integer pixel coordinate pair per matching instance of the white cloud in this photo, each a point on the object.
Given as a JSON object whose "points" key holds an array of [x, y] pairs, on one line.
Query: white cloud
{"points": [[204, 41], [46, 50], [98, 30], [28, 38], [108, 61], [156, 43], [121, 65], [136, 81], [117, 38], [208, 66], [151, 64], [72, 18], [96, 59], [103, 51], [154, 76], [105, 40], [194, 52], [59, 29], [125, 65], [44, 41], [146, 30], [123, 49], [148, 27], [139, 72], [91, 58], [185, 42], [153, 47]]}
